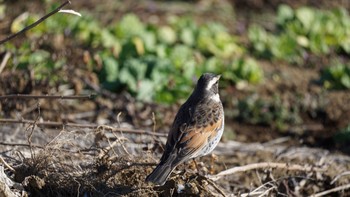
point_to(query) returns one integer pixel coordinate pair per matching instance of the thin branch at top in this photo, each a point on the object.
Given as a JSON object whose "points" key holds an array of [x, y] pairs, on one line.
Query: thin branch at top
{"points": [[34, 24]]}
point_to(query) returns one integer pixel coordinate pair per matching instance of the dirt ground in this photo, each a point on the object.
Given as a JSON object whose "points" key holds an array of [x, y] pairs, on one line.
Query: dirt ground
{"points": [[114, 160]]}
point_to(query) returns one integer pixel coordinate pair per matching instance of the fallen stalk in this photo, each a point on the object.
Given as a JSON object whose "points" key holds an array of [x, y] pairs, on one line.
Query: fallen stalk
{"points": [[253, 166], [336, 189]]}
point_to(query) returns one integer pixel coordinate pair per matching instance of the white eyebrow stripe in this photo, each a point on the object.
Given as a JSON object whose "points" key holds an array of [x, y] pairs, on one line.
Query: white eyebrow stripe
{"points": [[211, 83]]}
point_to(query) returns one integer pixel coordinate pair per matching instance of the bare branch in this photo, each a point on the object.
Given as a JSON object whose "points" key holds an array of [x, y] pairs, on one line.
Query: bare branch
{"points": [[217, 188], [34, 24], [339, 176], [133, 131], [336, 189], [6, 164], [254, 166], [26, 96]]}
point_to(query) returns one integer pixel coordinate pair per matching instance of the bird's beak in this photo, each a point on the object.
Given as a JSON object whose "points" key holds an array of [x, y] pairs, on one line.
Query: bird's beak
{"points": [[218, 77]]}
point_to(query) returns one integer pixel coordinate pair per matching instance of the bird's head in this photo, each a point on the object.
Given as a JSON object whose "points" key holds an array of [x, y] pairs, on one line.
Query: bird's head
{"points": [[208, 85]]}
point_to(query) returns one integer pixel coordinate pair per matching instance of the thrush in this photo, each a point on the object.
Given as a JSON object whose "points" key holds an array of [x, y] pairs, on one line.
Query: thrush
{"points": [[196, 130]]}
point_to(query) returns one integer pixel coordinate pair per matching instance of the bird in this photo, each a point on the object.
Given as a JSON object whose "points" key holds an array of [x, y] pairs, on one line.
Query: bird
{"points": [[196, 129]]}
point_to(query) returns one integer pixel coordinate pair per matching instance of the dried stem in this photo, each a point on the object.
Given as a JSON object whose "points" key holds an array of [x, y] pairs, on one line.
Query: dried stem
{"points": [[217, 188], [339, 176], [336, 189], [32, 130], [4, 61], [7, 165], [254, 166]]}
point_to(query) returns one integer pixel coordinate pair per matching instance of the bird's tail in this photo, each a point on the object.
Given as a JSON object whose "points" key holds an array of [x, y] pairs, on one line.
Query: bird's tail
{"points": [[160, 174]]}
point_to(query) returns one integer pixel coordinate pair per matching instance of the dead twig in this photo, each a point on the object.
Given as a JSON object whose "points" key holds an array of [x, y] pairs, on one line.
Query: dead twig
{"points": [[336, 189], [117, 138], [261, 190], [32, 130], [265, 165], [340, 175], [7, 165], [216, 187], [4, 61], [26, 96], [35, 23], [5, 184], [132, 131], [21, 144]]}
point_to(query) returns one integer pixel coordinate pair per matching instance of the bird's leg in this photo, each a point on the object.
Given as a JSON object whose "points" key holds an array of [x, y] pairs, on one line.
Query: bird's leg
{"points": [[196, 165], [213, 158]]}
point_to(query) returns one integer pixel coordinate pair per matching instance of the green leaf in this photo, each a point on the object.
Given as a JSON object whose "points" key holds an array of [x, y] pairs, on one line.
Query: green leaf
{"points": [[245, 69], [336, 77], [180, 54], [108, 40], [38, 56], [166, 35], [145, 91], [260, 39], [149, 39], [129, 26], [187, 36], [318, 44], [110, 68], [306, 16], [345, 81], [284, 14]]}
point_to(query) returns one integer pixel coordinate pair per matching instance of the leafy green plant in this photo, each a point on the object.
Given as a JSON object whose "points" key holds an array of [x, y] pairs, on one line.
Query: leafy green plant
{"points": [[256, 110], [176, 53], [153, 63], [336, 77], [40, 61], [300, 31], [244, 69]]}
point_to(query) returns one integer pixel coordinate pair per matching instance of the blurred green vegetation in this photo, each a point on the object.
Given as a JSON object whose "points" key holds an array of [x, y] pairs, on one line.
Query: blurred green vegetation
{"points": [[153, 63], [336, 76], [301, 32], [158, 62], [256, 110]]}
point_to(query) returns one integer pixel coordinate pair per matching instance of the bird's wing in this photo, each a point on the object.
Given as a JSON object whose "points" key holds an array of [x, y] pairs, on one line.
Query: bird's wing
{"points": [[195, 139], [191, 130]]}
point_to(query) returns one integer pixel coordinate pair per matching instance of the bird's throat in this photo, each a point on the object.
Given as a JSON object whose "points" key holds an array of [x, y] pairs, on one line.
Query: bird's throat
{"points": [[215, 97]]}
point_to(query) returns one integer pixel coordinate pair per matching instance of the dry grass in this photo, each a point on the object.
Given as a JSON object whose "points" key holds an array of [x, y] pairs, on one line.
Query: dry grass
{"points": [[105, 162]]}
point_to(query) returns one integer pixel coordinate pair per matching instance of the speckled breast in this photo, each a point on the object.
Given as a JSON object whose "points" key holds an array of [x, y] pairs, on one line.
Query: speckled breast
{"points": [[213, 141]]}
